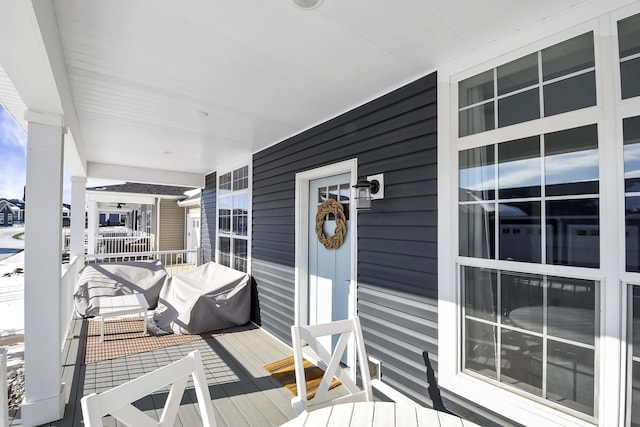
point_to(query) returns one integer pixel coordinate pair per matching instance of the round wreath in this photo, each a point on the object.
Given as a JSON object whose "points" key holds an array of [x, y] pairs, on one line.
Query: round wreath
{"points": [[334, 207]]}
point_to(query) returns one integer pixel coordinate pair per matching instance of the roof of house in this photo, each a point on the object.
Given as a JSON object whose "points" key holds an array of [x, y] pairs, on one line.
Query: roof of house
{"points": [[3, 204], [139, 188]]}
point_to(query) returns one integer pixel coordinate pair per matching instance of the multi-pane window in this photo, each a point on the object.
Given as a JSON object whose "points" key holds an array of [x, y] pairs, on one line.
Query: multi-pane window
{"points": [[554, 80], [535, 333], [233, 218], [507, 191], [629, 50], [531, 199]]}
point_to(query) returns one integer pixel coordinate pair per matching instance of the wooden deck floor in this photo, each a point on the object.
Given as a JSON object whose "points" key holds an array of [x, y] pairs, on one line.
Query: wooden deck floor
{"points": [[243, 393]]}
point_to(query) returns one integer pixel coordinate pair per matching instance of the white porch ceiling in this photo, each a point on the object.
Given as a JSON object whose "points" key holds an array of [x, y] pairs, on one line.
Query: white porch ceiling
{"points": [[135, 73]]}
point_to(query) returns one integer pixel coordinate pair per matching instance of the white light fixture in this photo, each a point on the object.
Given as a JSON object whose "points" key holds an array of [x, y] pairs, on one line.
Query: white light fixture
{"points": [[308, 4], [367, 190]]}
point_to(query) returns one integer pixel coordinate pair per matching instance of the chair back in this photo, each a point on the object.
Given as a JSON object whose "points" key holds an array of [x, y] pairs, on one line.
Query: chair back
{"points": [[330, 362], [117, 401]]}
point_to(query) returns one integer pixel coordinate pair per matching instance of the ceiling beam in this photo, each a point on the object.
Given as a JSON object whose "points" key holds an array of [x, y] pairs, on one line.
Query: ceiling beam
{"points": [[145, 176]]}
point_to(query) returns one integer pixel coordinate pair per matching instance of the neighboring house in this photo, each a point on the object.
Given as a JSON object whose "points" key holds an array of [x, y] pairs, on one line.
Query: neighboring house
{"points": [[17, 208], [147, 208], [6, 214], [66, 215]]}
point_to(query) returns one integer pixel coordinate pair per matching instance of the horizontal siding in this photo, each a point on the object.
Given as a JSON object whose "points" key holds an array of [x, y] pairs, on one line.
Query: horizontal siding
{"points": [[172, 225], [208, 220]]}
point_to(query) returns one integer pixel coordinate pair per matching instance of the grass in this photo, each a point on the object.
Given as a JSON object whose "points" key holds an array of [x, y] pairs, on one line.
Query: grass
{"points": [[18, 236]]}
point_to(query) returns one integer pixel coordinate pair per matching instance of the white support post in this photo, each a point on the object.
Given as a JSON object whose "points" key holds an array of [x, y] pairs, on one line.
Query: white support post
{"points": [[44, 399], [92, 226], [78, 191]]}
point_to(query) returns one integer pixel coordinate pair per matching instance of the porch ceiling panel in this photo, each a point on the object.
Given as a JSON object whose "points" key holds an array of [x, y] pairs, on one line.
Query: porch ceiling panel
{"points": [[262, 70]]}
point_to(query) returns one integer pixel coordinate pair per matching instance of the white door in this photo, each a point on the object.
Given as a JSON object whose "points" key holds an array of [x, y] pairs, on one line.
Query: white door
{"points": [[193, 235], [329, 269]]}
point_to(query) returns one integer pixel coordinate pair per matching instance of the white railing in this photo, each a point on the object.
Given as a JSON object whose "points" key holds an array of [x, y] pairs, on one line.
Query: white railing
{"points": [[70, 273], [175, 261], [115, 241], [4, 401]]}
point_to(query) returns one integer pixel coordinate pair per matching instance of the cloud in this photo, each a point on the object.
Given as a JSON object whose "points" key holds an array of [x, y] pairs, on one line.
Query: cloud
{"points": [[11, 135]]}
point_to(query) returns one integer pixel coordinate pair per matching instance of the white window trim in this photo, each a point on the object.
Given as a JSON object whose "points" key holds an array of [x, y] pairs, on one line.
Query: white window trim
{"points": [[600, 20], [249, 192]]}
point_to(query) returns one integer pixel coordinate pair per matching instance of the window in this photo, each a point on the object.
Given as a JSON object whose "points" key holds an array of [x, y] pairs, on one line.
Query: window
{"points": [[531, 332], [528, 205], [554, 80], [629, 50], [9, 219], [508, 190], [233, 219], [1, 218]]}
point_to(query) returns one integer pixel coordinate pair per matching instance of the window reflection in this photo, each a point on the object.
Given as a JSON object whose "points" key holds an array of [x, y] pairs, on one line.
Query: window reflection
{"points": [[632, 233], [477, 230], [519, 168], [571, 161], [543, 337], [520, 233], [573, 232], [631, 136], [629, 45], [480, 292], [477, 174]]}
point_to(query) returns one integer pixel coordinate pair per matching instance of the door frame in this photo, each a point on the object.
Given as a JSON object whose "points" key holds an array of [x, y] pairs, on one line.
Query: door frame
{"points": [[301, 298]]}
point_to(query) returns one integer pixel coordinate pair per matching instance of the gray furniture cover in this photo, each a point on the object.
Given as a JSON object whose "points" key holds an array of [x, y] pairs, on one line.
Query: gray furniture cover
{"points": [[118, 278], [207, 298]]}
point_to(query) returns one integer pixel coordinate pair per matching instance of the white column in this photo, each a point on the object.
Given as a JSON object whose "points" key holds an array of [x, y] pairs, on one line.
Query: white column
{"points": [[92, 226], [78, 191], [44, 397]]}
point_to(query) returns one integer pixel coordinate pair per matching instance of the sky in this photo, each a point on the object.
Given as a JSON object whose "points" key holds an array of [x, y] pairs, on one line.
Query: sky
{"points": [[13, 162], [13, 157]]}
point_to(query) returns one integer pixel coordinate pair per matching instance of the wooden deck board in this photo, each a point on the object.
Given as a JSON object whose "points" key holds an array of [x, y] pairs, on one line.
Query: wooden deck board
{"points": [[243, 394]]}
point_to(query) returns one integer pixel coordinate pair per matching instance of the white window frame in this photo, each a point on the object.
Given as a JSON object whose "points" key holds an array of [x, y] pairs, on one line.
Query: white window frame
{"points": [[1, 218], [249, 192], [9, 219], [599, 19]]}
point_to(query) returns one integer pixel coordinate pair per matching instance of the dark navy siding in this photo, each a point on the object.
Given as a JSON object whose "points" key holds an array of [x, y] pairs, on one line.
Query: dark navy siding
{"points": [[397, 240], [395, 134], [208, 221]]}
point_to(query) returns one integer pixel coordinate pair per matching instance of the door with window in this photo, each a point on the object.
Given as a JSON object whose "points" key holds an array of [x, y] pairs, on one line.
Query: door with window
{"points": [[329, 269]]}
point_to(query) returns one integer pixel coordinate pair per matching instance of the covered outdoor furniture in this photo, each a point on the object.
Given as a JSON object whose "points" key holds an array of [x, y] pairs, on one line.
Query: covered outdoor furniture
{"points": [[118, 278], [207, 298]]}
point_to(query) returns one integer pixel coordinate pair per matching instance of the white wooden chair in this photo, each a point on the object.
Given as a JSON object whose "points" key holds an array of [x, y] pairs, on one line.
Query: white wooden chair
{"points": [[117, 401], [330, 363]]}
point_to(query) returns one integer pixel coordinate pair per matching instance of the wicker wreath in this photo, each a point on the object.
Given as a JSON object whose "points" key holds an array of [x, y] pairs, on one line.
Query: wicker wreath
{"points": [[334, 207]]}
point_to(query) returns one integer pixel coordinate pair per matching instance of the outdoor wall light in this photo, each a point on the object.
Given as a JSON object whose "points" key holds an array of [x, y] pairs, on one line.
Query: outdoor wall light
{"points": [[308, 4], [369, 189]]}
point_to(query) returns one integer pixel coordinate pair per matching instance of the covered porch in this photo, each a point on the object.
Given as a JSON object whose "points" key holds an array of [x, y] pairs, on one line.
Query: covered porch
{"points": [[256, 103]]}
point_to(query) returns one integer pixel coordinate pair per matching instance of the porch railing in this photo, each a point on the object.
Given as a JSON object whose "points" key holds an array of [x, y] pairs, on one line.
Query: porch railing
{"points": [[70, 273], [175, 261], [111, 240], [123, 240]]}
